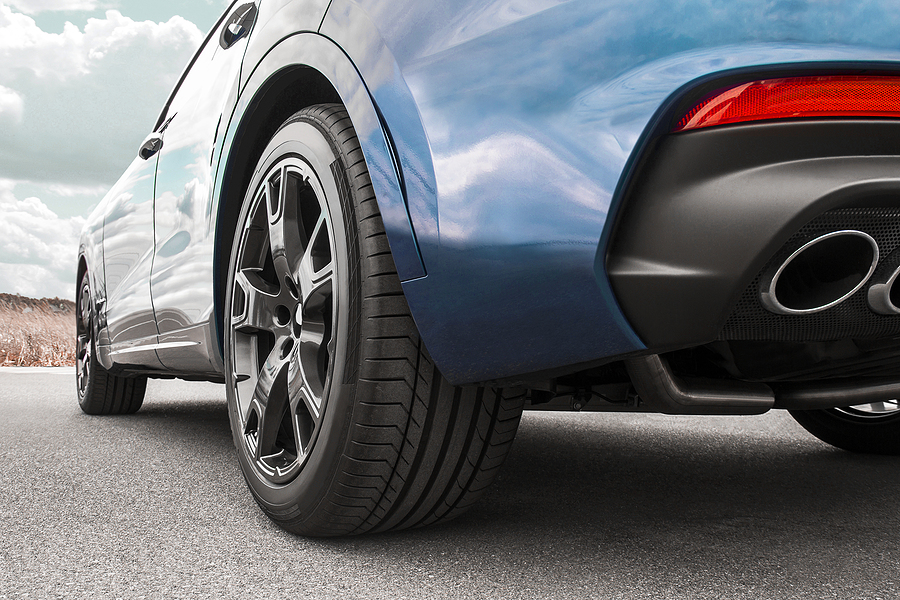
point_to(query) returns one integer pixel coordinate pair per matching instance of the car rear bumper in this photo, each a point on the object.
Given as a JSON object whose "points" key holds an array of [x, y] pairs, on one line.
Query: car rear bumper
{"points": [[710, 212]]}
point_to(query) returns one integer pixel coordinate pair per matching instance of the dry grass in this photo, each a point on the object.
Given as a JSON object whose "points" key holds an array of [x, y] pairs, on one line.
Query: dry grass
{"points": [[36, 333]]}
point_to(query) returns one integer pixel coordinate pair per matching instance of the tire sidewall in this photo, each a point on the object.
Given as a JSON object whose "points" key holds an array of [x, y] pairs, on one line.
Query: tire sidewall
{"points": [[876, 435], [298, 499]]}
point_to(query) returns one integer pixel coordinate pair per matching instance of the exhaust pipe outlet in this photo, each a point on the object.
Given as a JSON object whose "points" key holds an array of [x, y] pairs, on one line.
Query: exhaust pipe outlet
{"points": [[883, 294], [820, 274]]}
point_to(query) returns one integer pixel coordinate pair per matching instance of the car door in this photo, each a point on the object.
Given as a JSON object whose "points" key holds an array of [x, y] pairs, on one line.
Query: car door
{"points": [[182, 273], [130, 334]]}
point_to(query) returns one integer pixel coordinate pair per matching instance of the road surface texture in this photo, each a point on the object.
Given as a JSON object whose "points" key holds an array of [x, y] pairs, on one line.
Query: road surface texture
{"points": [[587, 506]]}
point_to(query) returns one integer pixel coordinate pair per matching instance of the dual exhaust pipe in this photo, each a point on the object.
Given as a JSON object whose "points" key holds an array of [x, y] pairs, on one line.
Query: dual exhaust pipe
{"points": [[828, 270], [819, 275], [660, 390]]}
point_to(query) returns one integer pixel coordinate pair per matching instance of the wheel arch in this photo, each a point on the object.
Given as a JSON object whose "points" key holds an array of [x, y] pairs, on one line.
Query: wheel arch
{"points": [[277, 87], [90, 263], [82, 267]]}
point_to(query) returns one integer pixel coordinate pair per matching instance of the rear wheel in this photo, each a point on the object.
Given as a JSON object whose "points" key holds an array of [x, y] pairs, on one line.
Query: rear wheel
{"points": [[99, 391], [342, 422], [869, 428]]}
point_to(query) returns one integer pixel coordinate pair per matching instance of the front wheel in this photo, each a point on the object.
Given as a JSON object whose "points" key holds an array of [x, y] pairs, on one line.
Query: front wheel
{"points": [[342, 422], [868, 428], [99, 391]]}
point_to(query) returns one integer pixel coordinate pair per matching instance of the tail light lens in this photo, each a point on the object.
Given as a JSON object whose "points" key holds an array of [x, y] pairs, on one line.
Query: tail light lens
{"points": [[797, 98]]}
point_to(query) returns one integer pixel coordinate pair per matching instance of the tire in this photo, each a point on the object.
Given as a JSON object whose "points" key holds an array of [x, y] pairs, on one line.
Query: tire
{"points": [[342, 422], [866, 428], [99, 391]]}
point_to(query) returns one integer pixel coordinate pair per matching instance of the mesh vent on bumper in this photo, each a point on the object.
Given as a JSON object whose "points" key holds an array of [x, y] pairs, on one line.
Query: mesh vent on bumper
{"points": [[850, 319]]}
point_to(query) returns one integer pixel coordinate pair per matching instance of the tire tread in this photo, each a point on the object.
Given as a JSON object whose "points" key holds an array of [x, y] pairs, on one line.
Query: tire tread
{"points": [[109, 394], [419, 450], [106, 393]]}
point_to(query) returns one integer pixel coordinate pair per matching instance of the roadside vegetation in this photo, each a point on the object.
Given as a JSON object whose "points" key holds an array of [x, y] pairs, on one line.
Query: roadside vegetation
{"points": [[36, 333]]}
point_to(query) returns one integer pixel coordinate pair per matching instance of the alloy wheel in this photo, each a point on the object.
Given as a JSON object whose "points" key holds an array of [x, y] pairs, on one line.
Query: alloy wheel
{"points": [[83, 339], [873, 410], [283, 319]]}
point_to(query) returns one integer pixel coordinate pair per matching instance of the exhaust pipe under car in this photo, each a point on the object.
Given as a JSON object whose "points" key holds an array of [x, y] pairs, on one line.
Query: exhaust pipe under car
{"points": [[661, 390], [822, 273]]}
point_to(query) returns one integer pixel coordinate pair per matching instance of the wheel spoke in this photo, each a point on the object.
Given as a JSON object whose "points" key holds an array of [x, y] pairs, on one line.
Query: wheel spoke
{"points": [[313, 355], [316, 267], [83, 340], [260, 300], [83, 360], [305, 406], [85, 307], [245, 367], [299, 386], [273, 204], [269, 402], [284, 227], [83, 343]]}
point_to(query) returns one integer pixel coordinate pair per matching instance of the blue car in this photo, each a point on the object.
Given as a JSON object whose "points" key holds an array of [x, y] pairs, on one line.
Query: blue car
{"points": [[389, 227]]}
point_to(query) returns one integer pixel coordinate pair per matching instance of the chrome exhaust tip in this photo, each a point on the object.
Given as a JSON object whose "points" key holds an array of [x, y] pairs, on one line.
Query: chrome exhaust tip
{"points": [[883, 294], [820, 274]]}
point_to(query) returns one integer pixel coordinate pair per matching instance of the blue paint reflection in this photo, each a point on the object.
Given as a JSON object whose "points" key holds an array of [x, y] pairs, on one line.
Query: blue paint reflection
{"points": [[515, 121]]}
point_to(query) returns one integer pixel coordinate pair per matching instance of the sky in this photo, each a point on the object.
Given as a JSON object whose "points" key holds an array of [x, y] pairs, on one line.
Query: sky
{"points": [[81, 85]]}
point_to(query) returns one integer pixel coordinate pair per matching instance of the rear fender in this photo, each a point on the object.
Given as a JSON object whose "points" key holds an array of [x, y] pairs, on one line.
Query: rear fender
{"points": [[327, 59]]}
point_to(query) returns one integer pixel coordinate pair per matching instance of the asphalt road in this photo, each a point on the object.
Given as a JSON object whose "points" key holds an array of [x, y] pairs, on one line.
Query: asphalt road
{"points": [[587, 506]]}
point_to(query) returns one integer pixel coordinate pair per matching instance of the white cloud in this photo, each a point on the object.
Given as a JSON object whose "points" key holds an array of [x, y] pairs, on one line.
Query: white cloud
{"points": [[38, 249], [71, 191], [32, 7], [117, 31], [83, 100], [73, 108], [25, 47], [11, 104]]}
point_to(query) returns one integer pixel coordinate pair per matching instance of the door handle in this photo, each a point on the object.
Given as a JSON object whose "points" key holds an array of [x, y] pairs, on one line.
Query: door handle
{"points": [[151, 146], [236, 30], [238, 25]]}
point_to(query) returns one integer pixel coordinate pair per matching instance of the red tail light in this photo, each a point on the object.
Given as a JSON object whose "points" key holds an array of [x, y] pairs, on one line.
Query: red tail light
{"points": [[797, 98]]}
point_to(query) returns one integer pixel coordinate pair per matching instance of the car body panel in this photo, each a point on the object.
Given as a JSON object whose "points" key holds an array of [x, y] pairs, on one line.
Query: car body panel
{"points": [[129, 322], [532, 114], [326, 58], [280, 19], [500, 137], [184, 212]]}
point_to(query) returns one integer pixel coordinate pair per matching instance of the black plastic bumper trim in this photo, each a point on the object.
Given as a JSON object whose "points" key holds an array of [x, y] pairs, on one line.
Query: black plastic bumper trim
{"points": [[710, 208]]}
